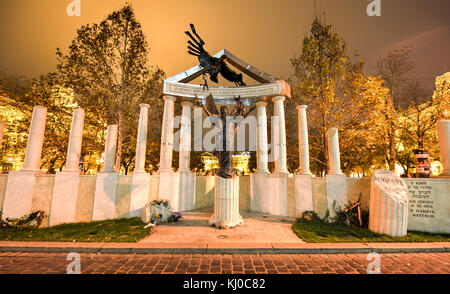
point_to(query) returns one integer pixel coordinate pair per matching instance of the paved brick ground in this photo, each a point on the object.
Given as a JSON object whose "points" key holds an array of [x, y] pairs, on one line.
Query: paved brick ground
{"points": [[56, 263]]}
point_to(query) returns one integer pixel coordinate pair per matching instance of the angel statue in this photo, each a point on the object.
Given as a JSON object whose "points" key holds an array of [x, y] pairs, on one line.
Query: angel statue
{"points": [[227, 124]]}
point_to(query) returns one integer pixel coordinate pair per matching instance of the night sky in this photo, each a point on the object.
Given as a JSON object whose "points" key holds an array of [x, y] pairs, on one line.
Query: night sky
{"points": [[264, 33]]}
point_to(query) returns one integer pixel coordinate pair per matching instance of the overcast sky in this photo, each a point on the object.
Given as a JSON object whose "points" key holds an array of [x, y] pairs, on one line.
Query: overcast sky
{"points": [[264, 33]]}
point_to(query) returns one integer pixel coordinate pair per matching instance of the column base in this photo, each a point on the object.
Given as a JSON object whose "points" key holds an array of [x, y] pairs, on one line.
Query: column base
{"points": [[337, 192], [64, 199], [140, 182], [105, 196], [264, 171], [282, 172], [19, 193], [226, 204]]}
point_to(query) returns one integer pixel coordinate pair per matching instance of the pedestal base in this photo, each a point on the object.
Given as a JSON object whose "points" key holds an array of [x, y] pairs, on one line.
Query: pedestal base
{"points": [[226, 204]]}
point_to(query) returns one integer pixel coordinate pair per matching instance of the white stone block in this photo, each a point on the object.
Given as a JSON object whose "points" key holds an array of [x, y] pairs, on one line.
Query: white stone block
{"points": [[303, 194], [105, 196], [64, 198], [259, 192], [186, 194], [278, 194], [226, 203], [168, 188], [140, 187], [19, 194], [268, 194], [337, 191]]}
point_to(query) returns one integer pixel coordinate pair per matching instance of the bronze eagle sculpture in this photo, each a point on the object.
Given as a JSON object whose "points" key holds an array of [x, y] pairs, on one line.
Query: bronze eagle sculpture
{"points": [[212, 65]]}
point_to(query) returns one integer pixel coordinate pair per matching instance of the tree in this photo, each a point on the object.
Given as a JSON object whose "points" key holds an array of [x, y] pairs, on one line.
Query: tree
{"points": [[107, 67], [393, 67], [326, 78]]}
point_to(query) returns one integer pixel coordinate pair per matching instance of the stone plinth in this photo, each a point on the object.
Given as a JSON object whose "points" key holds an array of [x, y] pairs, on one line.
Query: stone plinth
{"points": [[64, 199], [105, 196], [303, 194], [19, 194], [443, 128], [269, 193], [226, 203], [337, 192], [388, 204], [140, 188], [428, 205]]}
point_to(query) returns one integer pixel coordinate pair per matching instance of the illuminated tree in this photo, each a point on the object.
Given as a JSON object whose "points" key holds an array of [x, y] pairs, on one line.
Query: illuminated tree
{"points": [[332, 85], [107, 67]]}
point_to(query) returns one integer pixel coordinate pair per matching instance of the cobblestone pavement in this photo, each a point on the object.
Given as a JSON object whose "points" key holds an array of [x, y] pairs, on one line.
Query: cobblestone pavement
{"points": [[56, 263]]}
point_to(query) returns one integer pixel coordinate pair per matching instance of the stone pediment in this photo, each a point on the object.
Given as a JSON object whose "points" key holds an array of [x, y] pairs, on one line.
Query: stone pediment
{"points": [[270, 85]]}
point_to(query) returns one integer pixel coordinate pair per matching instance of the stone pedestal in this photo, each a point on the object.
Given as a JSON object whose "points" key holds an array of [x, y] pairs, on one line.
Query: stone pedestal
{"points": [[269, 193], [226, 204], [186, 191], [64, 199], [443, 128], [19, 194], [388, 204], [105, 196], [337, 192], [140, 188], [303, 194]]}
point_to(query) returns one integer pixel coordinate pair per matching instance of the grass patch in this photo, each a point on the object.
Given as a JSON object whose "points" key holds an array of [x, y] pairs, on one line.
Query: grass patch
{"points": [[322, 232], [117, 230]]}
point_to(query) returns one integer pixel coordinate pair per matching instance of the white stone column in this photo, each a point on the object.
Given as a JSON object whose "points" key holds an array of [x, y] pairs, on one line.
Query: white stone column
{"points": [[279, 136], [140, 180], [141, 144], [75, 141], [106, 182], [2, 127], [165, 163], [262, 153], [303, 140], [333, 152], [185, 138], [65, 187], [443, 128], [20, 184], [110, 149], [35, 139]]}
